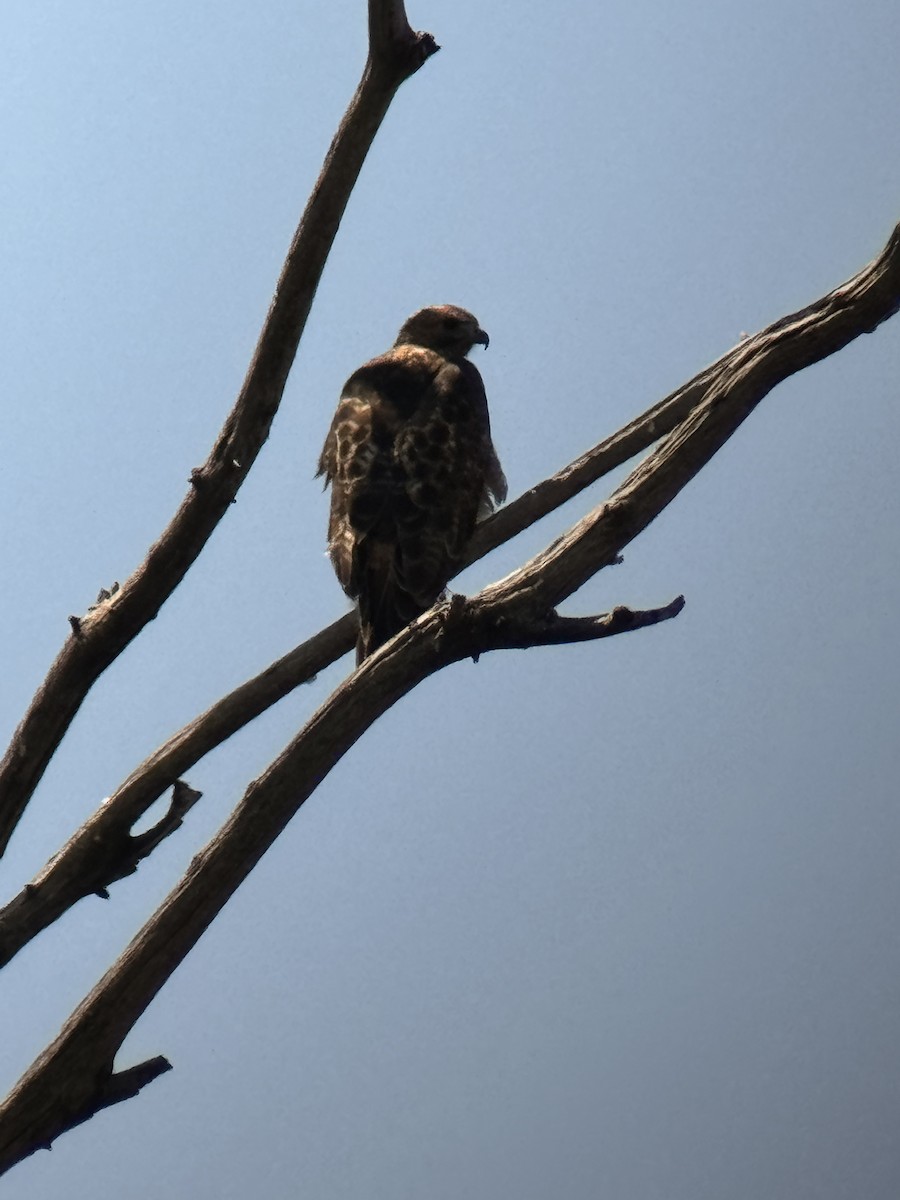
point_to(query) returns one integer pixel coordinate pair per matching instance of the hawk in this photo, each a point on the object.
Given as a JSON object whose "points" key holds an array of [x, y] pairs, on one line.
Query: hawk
{"points": [[412, 467]]}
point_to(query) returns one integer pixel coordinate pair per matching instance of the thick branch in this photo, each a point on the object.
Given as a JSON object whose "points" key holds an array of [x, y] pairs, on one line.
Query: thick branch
{"points": [[93, 857], [101, 851], [110, 1087], [518, 610], [70, 1080], [104, 849], [747, 376], [510, 612], [395, 54], [73, 1078], [90, 860]]}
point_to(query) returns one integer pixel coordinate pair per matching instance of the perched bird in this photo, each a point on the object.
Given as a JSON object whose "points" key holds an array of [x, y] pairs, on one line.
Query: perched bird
{"points": [[412, 467]]}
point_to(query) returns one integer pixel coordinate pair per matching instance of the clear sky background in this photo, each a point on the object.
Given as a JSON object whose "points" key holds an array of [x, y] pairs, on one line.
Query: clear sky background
{"points": [[615, 920]]}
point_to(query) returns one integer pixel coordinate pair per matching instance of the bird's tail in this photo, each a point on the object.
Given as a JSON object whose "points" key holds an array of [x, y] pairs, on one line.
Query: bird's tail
{"points": [[385, 605], [378, 622]]}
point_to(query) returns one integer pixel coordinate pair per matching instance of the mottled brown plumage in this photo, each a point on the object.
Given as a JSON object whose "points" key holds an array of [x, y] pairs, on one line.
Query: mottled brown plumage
{"points": [[412, 467]]}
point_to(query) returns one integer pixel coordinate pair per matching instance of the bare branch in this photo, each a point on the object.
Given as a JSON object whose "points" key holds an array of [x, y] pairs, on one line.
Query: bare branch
{"points": [[104, 849], [75, 1078], [858, 306], [71, 1077], [97, 639], [521, 632], [606, 456], [101, 852], [92, 858], [743, 376]]}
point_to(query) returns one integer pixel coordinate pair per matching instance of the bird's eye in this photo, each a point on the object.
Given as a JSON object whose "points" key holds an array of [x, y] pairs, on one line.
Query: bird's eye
{"points": [[452, 322]]}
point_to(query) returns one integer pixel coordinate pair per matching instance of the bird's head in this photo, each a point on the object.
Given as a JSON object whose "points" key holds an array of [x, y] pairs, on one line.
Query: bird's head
{"points": [[443, 327]]}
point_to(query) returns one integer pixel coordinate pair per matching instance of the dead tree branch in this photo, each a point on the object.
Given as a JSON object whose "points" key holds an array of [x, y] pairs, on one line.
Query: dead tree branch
{"points": [[73, 1076], [395, 53], [103, 849], [755, 367]]}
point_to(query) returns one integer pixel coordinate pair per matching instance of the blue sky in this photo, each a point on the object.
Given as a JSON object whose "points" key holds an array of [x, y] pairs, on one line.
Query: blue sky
{"points": [[612, 920]]}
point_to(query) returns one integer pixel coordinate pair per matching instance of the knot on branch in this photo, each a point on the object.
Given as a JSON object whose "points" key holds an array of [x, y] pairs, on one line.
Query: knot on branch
{"points": [[422, 48]]}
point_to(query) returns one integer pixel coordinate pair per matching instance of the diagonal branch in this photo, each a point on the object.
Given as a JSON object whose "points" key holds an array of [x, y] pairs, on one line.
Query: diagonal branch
{"points": [[94, 856], [91, 859], [755, 367], [395, 53], [72, 1079], [606, 456], [73, 1074], [104, 849]]}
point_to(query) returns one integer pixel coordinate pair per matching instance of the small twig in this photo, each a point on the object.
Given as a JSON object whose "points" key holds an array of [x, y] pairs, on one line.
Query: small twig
{"points": [[141, 845], [108, 1088], [100, 852], [522, 633]]}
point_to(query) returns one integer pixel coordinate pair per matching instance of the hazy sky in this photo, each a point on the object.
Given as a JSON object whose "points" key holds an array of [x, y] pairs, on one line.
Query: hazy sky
{"points": [[609, 921]]}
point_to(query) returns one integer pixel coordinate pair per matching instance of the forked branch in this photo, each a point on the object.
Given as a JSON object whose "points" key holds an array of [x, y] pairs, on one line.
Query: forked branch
{"points": [[74, 1077], [73, 1074], [89, 860], [744, 375], [395, 53]]}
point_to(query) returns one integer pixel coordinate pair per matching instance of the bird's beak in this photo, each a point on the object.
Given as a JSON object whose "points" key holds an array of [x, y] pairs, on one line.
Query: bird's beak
{"points": [[481, 339]]}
